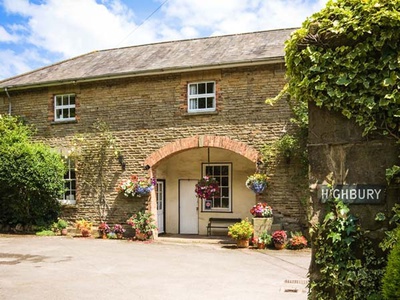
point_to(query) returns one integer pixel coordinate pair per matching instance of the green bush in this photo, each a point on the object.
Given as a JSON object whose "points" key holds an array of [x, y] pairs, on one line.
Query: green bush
{"points": [[31, 176], [391, 279]]}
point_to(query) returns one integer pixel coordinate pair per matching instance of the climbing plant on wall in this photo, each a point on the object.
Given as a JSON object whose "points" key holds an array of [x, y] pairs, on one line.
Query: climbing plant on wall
{"points": [[96, 155], [345, 58]]}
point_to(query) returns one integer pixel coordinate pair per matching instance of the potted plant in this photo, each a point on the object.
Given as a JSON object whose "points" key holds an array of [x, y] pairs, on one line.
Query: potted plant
{"points": [[297, 241], [241, 232], [119, 230], [62, 226], [279, 238], [264, 240], [84, 226], [136, 187], [257, 182], [143, 225], [207, 187], [104, 229]]}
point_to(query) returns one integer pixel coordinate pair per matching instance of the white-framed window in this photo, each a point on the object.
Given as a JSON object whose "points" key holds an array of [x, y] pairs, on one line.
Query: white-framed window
{"points": [[222, 202], [64, 107], [69, 196], [201, 96]]}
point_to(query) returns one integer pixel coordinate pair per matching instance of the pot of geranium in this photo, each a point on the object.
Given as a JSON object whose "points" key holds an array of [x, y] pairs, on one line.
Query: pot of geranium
{"points": [[207, 187], [103, 230], [119, 230], [279, 238], [297, 241], [241, 232], [84, 226], [62, 226], [257, 182], [136, 187], [143, 225]]}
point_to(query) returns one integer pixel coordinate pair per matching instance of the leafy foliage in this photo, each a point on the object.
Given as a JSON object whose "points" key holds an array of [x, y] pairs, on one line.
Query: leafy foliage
{"points": [[391, 279], [349, 267], [241, 230], [31, 176]]}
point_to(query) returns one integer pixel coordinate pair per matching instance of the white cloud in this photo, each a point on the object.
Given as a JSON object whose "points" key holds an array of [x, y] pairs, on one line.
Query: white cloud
{"points": [[7, 37]]}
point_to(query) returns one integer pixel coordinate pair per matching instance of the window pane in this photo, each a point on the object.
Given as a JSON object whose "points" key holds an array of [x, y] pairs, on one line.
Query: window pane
{"points": [[193, 89], [193, 104], [72, 113], [65, 113], [209, 170], [72, 99], [210, 87], [58, 100], [224, 170], [217, 202], [59, 113], [210, 102], [217, 170], [202, 102], [225, 192], [202, 88], [224, 181], [225, 203]]}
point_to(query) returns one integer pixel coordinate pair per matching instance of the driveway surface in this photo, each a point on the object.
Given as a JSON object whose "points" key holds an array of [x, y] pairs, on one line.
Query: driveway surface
{"points": [[61, 268]]}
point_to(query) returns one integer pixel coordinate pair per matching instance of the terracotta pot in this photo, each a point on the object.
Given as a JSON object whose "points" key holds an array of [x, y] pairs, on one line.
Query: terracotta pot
{"points": [[64, 231], [119, 235], [141, 236], [244, 243], [85, 232], [279, 246], [261, 246]]}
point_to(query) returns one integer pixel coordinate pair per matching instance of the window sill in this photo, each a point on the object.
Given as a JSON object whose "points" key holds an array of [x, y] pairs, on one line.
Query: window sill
{"points": [[200, 113], [64, 122], [216, 211]]}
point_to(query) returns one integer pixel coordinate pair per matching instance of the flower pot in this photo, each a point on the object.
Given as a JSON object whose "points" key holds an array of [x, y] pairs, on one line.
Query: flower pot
{"points": [[262, 225], [64, 231], [104, 235], [141, 236], [85, 232], [243, 243], [260, 245], [119, 235], [279, 246]]}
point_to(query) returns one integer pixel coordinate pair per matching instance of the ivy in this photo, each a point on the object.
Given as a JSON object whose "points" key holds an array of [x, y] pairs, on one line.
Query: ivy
{"points": [[348, 265]]}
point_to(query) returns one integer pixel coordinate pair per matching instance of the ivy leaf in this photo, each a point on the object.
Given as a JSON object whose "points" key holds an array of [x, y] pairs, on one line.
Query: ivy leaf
{"points": [[343, 80]]}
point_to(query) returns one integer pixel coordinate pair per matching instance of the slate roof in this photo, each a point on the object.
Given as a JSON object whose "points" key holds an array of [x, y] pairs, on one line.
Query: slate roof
{"points": [[174, 56]]}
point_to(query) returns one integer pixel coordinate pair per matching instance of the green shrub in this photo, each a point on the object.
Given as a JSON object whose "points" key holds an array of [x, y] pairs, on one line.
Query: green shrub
{"points": [[45, 233], [391, 279], [31, 177]]}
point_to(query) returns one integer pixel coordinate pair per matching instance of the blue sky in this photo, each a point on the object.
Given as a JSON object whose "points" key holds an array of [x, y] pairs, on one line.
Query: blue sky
{"points": [[36, 33]]}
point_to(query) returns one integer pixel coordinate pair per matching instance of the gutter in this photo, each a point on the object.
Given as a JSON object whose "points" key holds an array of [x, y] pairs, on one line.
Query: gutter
{"points": [[272, 60], [9, 101]]}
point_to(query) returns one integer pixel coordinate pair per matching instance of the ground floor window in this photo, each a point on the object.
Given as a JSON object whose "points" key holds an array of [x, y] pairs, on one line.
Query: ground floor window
{"points": [[69, 196], [222, 173]]}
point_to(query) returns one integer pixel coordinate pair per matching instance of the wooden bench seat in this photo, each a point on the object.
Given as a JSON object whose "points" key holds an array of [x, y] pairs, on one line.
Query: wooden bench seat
{"points": [[220, 223]]}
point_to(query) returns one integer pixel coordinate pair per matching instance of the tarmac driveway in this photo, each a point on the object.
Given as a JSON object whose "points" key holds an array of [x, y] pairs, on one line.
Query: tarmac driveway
{"points": [[76, 268]]}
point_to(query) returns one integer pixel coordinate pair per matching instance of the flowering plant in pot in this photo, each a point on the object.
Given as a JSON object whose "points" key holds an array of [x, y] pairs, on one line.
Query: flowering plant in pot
{"points": [[61, 226], [104, 229], [257, 182], [279, 238], [264, 240], [261, 210], [297, 241], [241, 232], [136, 187], [207, 187], [84, 226], [119, 230], [143, 225]]}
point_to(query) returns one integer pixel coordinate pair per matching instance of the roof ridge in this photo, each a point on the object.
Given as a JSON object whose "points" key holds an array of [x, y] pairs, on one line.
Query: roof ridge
{"points": [[198, 38]]}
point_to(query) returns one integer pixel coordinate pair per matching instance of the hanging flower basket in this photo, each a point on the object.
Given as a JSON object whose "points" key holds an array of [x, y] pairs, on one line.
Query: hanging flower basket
{"points": [[207, 188], [136, 187], [257, 182]]}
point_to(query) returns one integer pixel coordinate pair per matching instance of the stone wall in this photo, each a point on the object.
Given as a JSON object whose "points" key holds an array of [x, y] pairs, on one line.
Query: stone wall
{"points": [[146, 113]]}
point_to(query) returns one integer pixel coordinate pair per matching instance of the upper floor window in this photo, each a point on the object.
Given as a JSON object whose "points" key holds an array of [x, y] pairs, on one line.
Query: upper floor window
{"points": [[201, 96], [64, 107]]}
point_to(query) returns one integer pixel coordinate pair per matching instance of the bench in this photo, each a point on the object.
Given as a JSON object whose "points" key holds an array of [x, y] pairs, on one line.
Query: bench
{"points": [[220, 223]]}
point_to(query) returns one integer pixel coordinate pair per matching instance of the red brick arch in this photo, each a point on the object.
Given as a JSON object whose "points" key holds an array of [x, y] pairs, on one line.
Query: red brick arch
{"points": [[222, 142]]}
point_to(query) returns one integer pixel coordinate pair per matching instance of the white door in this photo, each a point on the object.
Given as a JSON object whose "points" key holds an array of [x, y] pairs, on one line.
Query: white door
{"points": [[160, 206], [188, 207]]}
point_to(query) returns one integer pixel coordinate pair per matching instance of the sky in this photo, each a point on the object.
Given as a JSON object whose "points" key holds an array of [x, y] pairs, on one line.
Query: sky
{"points": [[37, 33]]}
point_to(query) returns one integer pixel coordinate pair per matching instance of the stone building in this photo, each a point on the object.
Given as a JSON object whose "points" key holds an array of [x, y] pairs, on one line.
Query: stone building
{"points": [[175, 110]]}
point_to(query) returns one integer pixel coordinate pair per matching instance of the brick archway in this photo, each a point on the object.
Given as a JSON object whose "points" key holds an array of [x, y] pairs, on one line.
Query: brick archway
{"points": [[222, 142]]}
